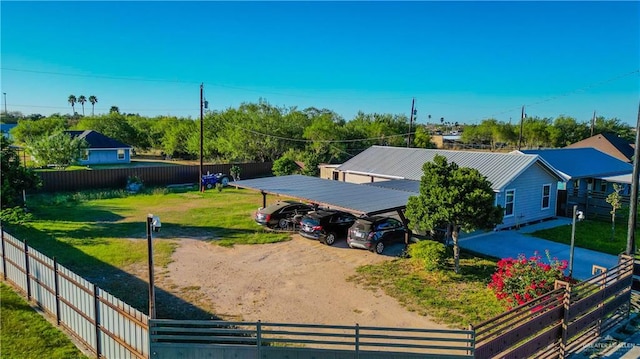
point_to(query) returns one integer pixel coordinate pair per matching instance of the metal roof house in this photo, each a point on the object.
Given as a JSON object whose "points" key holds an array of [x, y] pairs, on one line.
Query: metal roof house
{"points": [[589, 174], [102, 149], [525, 185]]}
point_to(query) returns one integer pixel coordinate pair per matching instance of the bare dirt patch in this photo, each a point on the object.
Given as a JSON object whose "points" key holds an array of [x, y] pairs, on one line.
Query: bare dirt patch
{"points": [[299, 281]]}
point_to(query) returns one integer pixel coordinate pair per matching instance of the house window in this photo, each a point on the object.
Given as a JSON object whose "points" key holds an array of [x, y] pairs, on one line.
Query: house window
{"points": [[121, 154], [603, 186], [85, 155], [546, 195], [509, 201]]}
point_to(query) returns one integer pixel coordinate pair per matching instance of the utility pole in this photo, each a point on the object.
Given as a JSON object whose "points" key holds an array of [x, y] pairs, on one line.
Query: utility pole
{"points": [[5, 102], [201, 134], [633, 199], [413, 102], [521, 125], [593, 122]]}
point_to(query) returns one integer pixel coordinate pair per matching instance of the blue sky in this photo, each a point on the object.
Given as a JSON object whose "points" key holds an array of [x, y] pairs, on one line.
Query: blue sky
{"points": [[464, 61]]}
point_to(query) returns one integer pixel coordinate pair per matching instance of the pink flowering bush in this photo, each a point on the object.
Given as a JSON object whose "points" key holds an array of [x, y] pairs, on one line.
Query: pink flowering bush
{"points": [[517, 281]]}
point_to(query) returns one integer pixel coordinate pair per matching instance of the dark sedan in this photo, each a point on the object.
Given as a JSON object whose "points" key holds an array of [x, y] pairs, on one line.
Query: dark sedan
{"points": [[281, 213], [326, 225]]}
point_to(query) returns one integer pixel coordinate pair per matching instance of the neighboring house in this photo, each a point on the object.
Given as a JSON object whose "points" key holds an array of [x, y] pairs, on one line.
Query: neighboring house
{"points": [[608, 143], [102, 149], [589, 175], [5, 128], [524, 185]]}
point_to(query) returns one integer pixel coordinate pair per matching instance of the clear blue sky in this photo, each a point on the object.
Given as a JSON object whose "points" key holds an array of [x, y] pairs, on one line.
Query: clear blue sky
{"points": [[464, 61]]}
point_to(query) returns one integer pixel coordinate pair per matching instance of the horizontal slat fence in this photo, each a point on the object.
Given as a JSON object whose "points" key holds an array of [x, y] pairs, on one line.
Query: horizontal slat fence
{"points": [[104, 324], [560, 322], [54, 181], [220, 339]]}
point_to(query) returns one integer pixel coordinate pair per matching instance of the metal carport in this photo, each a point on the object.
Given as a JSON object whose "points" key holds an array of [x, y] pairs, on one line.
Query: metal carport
{"points": [[350, 197]]}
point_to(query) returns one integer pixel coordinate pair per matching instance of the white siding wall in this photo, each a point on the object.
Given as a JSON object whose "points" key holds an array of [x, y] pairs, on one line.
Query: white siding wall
{"points": [[528, 199]]}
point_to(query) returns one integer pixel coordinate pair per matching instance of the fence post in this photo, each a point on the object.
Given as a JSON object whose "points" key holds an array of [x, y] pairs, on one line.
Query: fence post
{"points": [[4, 256], [472, 340], [566, 303], [603, 284], [26, 268], [357, 341], [96, 305], [259, 337], [56, 282]]}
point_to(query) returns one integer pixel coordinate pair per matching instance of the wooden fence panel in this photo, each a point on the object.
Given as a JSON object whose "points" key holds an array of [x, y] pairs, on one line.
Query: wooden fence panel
{"points": [[54, 181]]}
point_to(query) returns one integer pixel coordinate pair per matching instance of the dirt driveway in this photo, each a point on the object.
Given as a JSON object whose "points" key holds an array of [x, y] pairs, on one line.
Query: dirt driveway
{"points": [[299, 281]]}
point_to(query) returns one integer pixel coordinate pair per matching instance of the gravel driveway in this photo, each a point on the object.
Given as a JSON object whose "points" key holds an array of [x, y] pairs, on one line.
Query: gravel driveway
{"points": [[299, 281]]}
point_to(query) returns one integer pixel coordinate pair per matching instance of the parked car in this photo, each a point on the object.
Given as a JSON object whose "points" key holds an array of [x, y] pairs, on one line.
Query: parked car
{"points": [[281, 213], [326, 225], [374, 233]]}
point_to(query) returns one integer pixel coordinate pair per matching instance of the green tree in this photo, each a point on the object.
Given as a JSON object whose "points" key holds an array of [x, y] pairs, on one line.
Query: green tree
{"points": [[566, 130], [422, 138], [114, 109], [285, 165], [59, 150], [536, 132], [72, 100], [453, 197], [82, 100], [113, 125], [15, 177], [615, 200], [28, 130], [93, 100]]}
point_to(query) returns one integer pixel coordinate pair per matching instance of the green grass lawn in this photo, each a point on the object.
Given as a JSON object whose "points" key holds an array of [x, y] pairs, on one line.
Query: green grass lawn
{"points": [[591, 234], [26, 334], [454, 299]]}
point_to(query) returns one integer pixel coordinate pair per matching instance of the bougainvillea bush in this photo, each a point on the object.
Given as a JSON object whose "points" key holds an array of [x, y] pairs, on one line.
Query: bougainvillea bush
{"points": [[518, 281]]}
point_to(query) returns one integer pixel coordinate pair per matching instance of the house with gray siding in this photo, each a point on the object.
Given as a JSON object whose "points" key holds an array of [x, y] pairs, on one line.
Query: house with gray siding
{"points": [[524, 185], [102, 149]]}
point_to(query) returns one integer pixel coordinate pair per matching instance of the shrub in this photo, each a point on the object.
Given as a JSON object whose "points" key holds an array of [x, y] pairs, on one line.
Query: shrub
{"points": [[15, 215], [429, 254], [518, 281]]}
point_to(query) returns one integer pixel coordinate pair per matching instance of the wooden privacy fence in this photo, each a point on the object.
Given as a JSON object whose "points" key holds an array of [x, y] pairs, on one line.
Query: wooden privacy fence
{"points": [[152, 176], [106, 325], [560, 322], [257, 340]]}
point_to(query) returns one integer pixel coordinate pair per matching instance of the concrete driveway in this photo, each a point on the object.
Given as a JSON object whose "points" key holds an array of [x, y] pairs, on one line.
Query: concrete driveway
{"points": [[511, 243]]}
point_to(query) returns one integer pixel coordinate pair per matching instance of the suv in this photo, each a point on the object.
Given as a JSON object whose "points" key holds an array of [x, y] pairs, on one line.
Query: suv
{"points": [[326, 225], [281, 213], [374, 233]]}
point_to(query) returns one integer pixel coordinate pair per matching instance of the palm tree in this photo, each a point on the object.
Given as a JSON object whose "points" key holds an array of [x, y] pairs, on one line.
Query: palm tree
{"points": [[82, 100], [93, 101], [72, 100]]}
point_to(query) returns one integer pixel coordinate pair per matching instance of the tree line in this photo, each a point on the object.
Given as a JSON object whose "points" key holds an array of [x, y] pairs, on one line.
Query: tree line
{"points": [[288, 136]]}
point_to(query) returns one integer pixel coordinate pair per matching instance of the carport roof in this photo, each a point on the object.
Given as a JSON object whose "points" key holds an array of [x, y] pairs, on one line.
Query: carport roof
{"points": [[351, 197]]}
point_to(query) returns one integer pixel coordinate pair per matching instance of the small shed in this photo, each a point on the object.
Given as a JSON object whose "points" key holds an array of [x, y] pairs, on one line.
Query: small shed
{"points": [[102, 149]]}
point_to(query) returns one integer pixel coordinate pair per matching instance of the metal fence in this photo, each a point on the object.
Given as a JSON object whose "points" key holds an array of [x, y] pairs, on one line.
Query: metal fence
{"points": [[562, 321], [54, 181], [220, 339], [557, 324], [107, 326]]}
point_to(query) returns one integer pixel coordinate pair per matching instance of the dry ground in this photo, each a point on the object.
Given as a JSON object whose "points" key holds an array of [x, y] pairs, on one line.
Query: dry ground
{"points": [[299, 281]]}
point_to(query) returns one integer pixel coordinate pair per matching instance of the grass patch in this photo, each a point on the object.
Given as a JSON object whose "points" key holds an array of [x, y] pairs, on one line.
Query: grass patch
{"points": [[26, 334], [590, 234], [454, 299]]}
